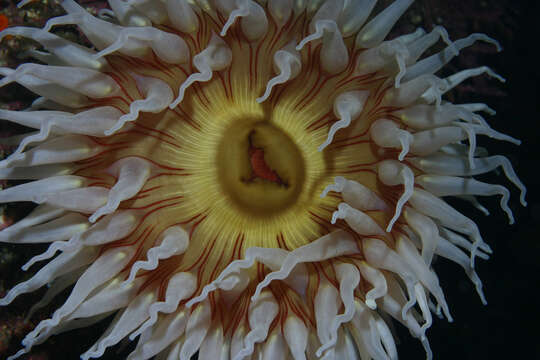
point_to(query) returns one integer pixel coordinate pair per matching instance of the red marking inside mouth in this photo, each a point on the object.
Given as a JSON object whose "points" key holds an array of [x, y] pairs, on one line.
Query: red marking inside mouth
{"points": [[4, 22], [259, 167]]}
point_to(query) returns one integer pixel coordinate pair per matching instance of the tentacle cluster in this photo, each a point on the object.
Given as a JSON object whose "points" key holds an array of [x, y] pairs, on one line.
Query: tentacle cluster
{"points": [[115, 205]]}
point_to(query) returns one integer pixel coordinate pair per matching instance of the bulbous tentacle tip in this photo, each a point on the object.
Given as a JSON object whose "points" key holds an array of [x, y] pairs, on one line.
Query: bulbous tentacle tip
{"points": [[289, 63], [216, 56], [241, 11], [347, 107]]}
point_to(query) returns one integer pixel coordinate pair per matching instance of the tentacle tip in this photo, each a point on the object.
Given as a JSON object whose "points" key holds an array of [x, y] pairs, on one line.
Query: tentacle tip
{"points": [[244, 352], [371, 304], [482, 297], [176, 102], [26, 266], [16, 356], [112, 130], [334, 217], [126, 283]]}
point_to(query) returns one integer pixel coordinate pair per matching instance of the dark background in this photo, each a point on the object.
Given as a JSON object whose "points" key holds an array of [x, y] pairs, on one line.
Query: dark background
{"points": [[508, 325]]}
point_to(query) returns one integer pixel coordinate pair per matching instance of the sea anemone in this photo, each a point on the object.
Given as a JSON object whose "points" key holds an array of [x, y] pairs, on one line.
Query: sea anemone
{"points": [[246, 179]]}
